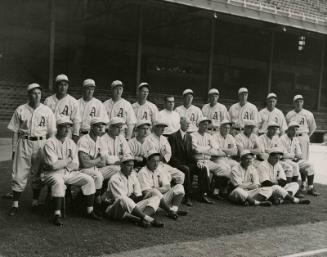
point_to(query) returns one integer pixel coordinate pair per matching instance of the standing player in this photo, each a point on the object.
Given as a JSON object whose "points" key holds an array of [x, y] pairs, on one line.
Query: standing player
{"points": [[307, 124], [63, 104], [31, 124], [214, 110], [170, 116], [90, 107], [271, 114], [119, 107], [243, 110], [144, 109], [189, 111]]}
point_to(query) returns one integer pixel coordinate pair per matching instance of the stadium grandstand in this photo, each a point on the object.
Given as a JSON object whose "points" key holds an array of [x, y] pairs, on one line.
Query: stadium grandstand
{"points": [[266, 45]]}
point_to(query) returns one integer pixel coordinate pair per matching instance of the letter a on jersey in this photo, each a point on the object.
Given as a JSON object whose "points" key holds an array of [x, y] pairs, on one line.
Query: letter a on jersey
{"points": [[92, 113], [65, 111], [120, 113], [145, 116], [42, 122]]}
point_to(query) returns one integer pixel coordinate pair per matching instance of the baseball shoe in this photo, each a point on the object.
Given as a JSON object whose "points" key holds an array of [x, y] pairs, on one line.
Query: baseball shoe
{"points": [[13, 211], [93, 216], [187, 202], [143, 223], [313, 192], [157, 224], [57, 220], [182, 213], [205, 199], [8, 195], [265, 204], [172, 215], [304, 201], [299, 194]]}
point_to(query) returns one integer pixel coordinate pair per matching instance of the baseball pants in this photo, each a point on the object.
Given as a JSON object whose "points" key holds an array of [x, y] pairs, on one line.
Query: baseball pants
{"points": [[279, 191], [304, 141], [177, 190], [239, 195], [96, 175]]}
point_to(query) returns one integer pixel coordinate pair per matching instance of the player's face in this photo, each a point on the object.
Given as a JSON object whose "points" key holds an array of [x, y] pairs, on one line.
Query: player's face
{"points": [[185, 124], [127, 168], [144, 93], [291, 132], [203, 126], [88, 92], [188, 98], [213, 98], [143, 130], [170, 103], [298, 104], [271, 103], [153, 162], [225, 129], [34, 96], [246, 160], [274, 158], [243, 97], [116, 129], [63, 130], [117, 91], [62, 87], [248, 130], [98, 129], [272, 130], [158, 130]]}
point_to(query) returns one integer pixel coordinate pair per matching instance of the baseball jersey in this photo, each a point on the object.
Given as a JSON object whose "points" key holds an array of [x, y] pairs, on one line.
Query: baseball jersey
{"points": [[224, 142], [216, 113], [136, 147], [172, 119], [267, 116], [119, 185], [193, 113], [160, 144], [146, 111], [67, 106], [36, 122], [122, 109], [55, 150], [203, 143], [240, 176], [304, 118], [90, 109], [290, 146], [271, 173], [115, 148], [240, 113], [93, 148], [153, 179], [266, 143], [244, 142]]}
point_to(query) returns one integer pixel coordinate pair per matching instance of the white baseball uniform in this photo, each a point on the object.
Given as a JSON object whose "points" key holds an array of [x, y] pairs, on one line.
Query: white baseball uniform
{"points": [[90, 109], [240, 113], [244, 142], [147, 111], [67, 106], [193, 113], [56, 153], [172, 119], [228, 145], [216, 113], [136, 147], [32, 127], [267, 116], [307, 127]]}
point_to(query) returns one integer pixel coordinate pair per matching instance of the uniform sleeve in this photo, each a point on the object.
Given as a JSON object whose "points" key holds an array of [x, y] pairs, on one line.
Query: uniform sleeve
{"points": [[51, 124], [155, 113], [75, 154], [50, 155], [76, 118], [131, 118], [263, 173], [14, 123], [235, 177], [225, 113], [311, 124], [164, 179], [126, 149], [116, 188], [255, 115], [283, 123], [103, 113], [144, 181], [167, 151], [255, 176], [297, 148], [281, 173], [137, 187], [196, 147], [82, 145]]}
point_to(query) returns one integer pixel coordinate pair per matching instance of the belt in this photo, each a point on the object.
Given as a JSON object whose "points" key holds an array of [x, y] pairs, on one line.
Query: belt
{"points": [[301, 134], [238, 129], [84, 132], [212, 129], [33, 138]]}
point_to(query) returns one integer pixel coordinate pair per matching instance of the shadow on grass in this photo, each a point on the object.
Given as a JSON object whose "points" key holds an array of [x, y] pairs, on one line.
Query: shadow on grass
{"points": [[30, 234]]}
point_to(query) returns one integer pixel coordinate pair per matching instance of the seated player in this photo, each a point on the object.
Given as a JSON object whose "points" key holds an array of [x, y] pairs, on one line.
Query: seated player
{"points": [[125, 197], [61, 169], [153, 176]]}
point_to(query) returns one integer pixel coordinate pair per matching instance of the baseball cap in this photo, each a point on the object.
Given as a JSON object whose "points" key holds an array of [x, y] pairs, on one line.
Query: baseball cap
{"points": [[276, 150], [32, 86], [213, 91], [116, 83], [151, 153], [272, 124], [142, 122], [160, 122], [127, 157], [89, 83], [143, 84], [245, 152], [188, 91], [64, 120], [225, 121], [61, 77], [203, 119], [115, 121], [297, 97], [249, 123], [293, 124], [271, 95], [97, 120], [243, 90]]}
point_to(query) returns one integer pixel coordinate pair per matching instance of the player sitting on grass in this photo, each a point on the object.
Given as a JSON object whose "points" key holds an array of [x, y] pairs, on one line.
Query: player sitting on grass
{"points": [[125, 197]]}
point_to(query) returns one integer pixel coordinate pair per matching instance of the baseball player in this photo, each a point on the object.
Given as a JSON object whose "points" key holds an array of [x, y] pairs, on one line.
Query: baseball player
{"points": [[156, 141], [170, 116], [214, 110], [115, 147], [152, 177], [63, 104], [190, 111], [293, 155], [268, 140], [91, 153], [271, 174], [61, 169], [144, 109], [125, 197], [307, 124], [243, 110], [119, 107], [246, 184], [90, 107], [271, 114], [31, 124]]}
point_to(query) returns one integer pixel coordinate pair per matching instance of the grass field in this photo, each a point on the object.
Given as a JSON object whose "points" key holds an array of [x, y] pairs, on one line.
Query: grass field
{"points": [[30, 234]]}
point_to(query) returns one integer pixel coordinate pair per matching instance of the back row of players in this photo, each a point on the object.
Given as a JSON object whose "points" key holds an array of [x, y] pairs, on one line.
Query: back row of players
{"points": [[114, 140]]}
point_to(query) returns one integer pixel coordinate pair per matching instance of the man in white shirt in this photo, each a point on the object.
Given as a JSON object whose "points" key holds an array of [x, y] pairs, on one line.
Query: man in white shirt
{"points": [[189, 111], [90, 107], [170, 116]]}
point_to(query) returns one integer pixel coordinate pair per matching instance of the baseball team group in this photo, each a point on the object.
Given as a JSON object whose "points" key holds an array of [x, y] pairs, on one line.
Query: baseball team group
{"points": [[127, 161]]}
